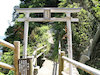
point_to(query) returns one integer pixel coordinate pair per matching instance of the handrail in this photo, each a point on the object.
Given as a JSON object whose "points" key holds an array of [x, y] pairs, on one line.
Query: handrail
{"points": [[35, 56], [38, 49], [41, 53], [84, 67], [7, 44], [4, 65], [59, 47]]}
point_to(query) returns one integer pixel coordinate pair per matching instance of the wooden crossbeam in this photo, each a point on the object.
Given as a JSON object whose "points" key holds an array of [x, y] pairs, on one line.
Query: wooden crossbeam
{"points": [[6, 66], [53, 10], [50, 20], [7, 44]]}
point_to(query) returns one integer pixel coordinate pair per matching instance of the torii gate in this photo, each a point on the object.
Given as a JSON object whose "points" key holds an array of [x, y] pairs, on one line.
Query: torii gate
{"points": [[47, 18]]}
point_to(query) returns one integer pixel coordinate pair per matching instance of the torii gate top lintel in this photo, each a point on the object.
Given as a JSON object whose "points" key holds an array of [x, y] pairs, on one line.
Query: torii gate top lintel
{"points": [[59, 10], [47, 14]]}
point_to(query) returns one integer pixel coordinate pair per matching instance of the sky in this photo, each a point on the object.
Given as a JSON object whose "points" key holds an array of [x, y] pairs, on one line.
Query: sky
{"points": [[6, 10]]}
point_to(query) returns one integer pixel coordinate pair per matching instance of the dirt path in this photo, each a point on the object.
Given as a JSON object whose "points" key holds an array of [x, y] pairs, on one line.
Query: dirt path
{"points": [[48, 68]]}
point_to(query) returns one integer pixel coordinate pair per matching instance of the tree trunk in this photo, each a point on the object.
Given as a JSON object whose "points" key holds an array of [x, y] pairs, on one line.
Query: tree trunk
{"points": [[86, 54]]}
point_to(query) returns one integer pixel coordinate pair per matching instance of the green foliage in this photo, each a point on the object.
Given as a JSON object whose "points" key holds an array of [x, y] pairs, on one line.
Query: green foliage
{"points": [[21, 16], [7, 57], [1, 73], [14, 32], [97, 10], [38, 3], [38, 38], [11, 73], [39, 33], [63, 3]]}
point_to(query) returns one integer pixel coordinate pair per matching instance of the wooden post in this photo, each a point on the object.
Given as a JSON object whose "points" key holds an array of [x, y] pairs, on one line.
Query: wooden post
{"points": [[69, 41], [34, 61], [26, 26], [59, 51], [61, 62], [31, 66], [16, 56]]}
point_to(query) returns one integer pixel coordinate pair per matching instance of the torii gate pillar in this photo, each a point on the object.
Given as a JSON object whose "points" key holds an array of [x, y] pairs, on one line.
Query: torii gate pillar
{"points": [[26, 27], [69, 41]]}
